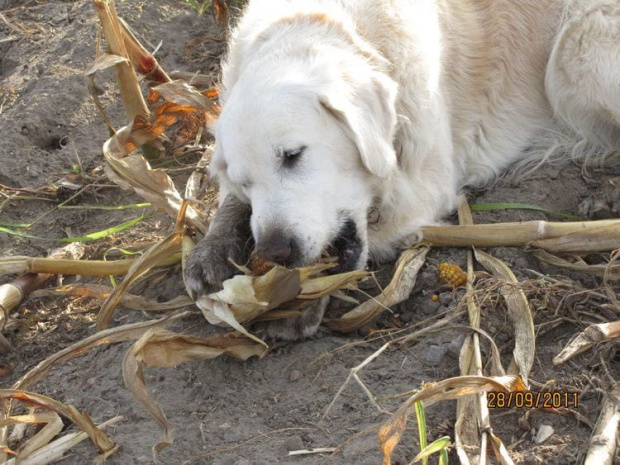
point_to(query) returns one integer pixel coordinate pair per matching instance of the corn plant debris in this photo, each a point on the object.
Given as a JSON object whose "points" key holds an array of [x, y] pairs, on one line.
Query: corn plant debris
{"points": [[50, 122]]}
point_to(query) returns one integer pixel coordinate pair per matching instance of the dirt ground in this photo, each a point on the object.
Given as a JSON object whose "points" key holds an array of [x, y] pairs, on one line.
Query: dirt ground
{"points": [[255, 412]]}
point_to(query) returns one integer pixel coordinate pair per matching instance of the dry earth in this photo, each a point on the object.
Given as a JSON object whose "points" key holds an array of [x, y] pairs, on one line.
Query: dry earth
{"points": [[226, 411]]}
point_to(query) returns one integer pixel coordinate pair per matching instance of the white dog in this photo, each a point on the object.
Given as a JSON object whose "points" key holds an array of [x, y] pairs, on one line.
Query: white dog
{"points": [[349, 124]]}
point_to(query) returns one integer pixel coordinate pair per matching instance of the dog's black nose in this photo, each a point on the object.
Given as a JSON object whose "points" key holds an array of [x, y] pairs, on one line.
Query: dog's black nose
{"points": [[277, 249]]}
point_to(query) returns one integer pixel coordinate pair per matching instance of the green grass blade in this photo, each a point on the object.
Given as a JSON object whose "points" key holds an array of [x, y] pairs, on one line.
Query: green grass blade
{"points": [[434, 447], [104, 207], [443, 457], [86, 238], [421, 419], [523, 206], [8, 224]]}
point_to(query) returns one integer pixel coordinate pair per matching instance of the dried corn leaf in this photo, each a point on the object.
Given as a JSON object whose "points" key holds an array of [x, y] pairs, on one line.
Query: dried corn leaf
{"points": [[602, 448], [315, 288], [579, 265], [519, 313], [133, 172], [130, 301], [161, 348], [220, 13], [399, 289], [105, 445], [590, 336], [124, 333], [500, 450], [152, 258], [453, 388], [56, 449], [601, 238], [54, 425]]}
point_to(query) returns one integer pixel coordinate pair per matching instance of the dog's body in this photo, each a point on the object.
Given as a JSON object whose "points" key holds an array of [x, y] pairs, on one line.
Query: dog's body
{"points": [[349, 124]]}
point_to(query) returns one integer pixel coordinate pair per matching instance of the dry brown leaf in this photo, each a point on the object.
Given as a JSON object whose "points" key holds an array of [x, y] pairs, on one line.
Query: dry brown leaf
{"points": [[110, 336], [56, 449], [144, 61], [161, 348], [105, 445], [130, 301], [53, 426], [149, 260], [579, 265], [399, 289], [220, 13], [453, 388], [519, 313]]}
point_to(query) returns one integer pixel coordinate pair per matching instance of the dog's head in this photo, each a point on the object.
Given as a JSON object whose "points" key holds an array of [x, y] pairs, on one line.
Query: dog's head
{"points": [[307, 149]]}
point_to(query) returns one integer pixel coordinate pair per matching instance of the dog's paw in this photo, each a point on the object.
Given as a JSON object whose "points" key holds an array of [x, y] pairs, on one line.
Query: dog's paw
{"points": [[296, 328], [208, 266]]}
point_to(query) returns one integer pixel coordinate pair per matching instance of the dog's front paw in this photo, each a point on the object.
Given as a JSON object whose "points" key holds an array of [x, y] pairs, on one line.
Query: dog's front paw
{"points": [[208, 266], [296, 328], [229, 238]]}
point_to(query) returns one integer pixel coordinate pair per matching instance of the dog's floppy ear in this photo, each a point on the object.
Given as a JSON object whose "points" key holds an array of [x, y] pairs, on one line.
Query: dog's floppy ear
{"points": [[368, 111]]}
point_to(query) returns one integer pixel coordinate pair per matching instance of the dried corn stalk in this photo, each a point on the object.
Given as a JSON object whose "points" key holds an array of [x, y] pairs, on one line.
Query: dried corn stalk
{"points": [[602, 449], [590, 336], [600, 235]]}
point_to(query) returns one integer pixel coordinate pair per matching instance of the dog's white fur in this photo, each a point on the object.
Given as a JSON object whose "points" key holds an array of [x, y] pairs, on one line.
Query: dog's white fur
{"points": [[401, 103]]}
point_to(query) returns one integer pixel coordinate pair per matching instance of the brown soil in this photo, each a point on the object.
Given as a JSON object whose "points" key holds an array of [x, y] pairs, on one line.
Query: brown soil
{"points": [[254, 412]]}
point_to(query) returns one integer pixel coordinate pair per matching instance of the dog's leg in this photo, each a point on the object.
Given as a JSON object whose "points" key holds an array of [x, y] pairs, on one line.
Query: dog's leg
{"points": [[229, 236], [583, 74], [208, 267], [296, 328]]}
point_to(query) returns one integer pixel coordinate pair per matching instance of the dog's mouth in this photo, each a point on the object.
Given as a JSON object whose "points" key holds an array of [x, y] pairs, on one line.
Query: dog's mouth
{"points": [[347, 248]]}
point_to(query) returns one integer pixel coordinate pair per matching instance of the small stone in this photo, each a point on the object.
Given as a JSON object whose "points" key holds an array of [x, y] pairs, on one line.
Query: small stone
{"points": [[445, 298], [295, 375], [544, 432], [434, 354]]}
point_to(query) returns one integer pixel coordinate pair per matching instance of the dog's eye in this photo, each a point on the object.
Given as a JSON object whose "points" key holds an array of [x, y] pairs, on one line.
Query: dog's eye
{"points": [[290, 157]]}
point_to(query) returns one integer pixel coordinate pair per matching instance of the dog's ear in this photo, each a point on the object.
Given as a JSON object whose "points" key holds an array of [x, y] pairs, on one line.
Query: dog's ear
{"points": [[368, 111]]}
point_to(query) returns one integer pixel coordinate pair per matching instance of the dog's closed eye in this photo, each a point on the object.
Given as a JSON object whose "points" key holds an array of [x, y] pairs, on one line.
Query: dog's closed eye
{"points": [[291, 157]]}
